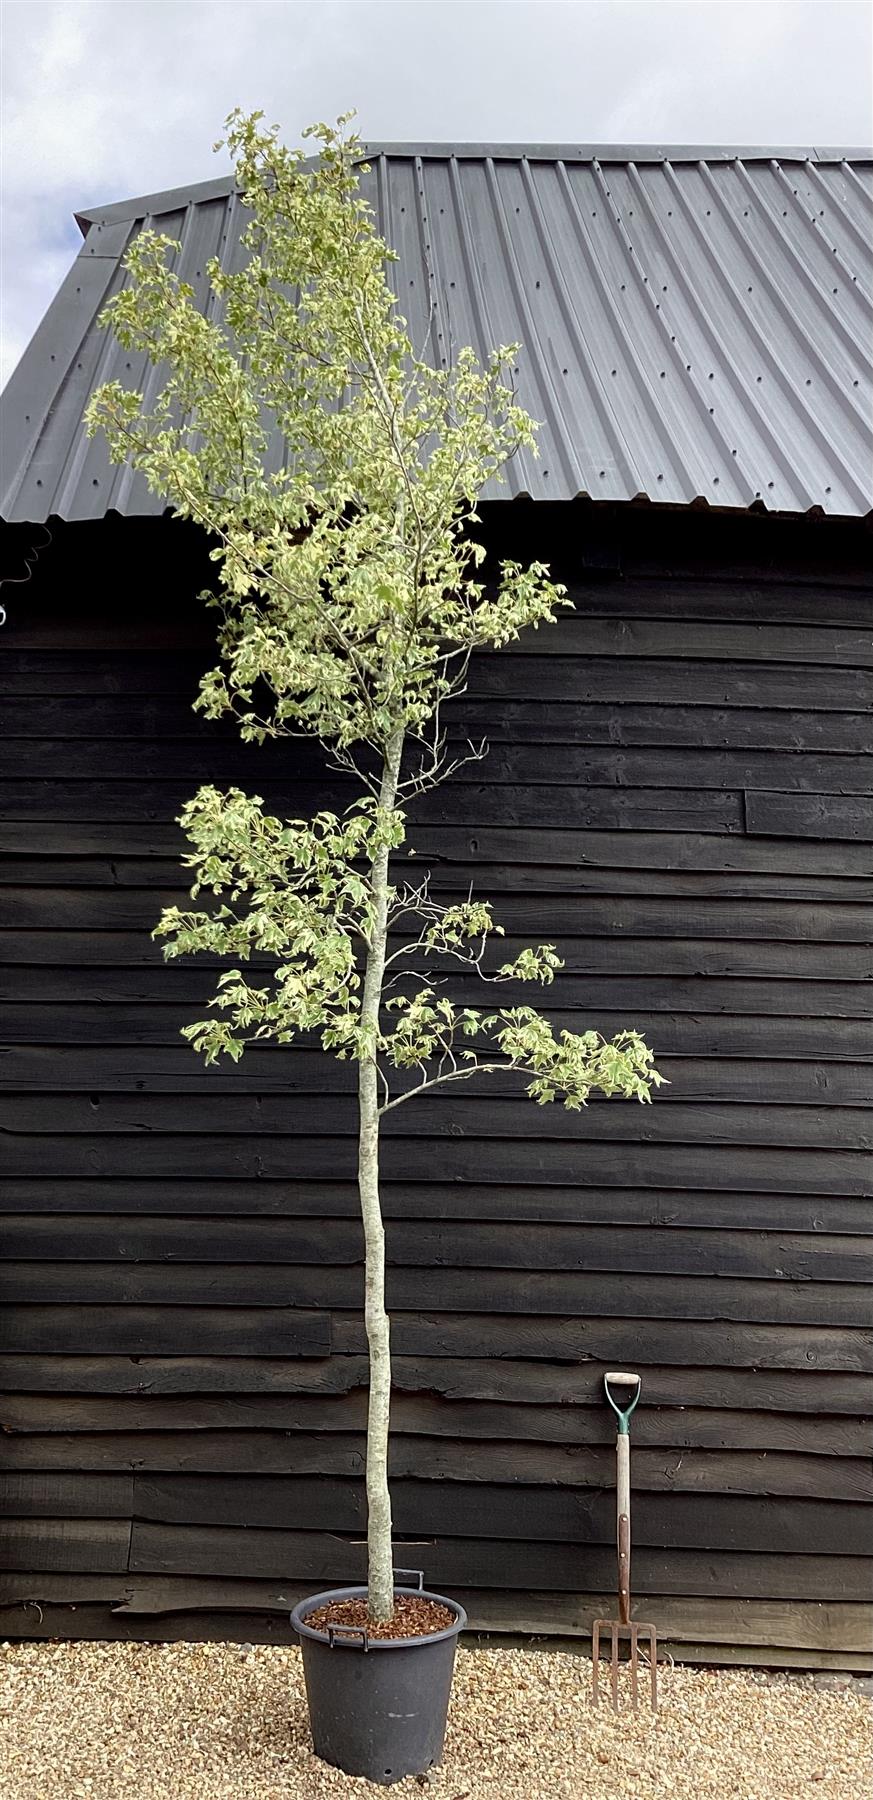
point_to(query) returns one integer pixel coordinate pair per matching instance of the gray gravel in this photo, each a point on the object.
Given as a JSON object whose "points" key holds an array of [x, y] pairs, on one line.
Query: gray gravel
{"points": [[225, 1722]]}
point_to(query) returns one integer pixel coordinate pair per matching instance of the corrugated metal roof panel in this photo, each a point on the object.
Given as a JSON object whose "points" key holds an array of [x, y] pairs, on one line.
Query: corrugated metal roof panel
{"points": [[697, 324]]}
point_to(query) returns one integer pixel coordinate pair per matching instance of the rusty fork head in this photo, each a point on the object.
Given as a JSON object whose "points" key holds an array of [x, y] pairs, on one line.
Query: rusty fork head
{"points": [[635, 1634]]}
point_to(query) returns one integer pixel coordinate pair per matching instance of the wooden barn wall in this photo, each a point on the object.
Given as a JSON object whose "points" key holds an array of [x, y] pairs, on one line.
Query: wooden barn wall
{"points": [[677, 794]]}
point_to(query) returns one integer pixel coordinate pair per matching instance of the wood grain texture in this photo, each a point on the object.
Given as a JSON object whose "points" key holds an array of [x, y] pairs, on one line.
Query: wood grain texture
{"points": [[580, 956], [617, 680], [329, 1289], [63, 1496], [174, 1069], [128, 1330], [784, 1035], [70, 1544], [452, 1563], [134, 1331], [688, 851], [499, 1115], [575, 1515], [822, 816], [170, 761], [524, 883], [754, 1168], [106, 909], [552, 1384], [581, 998], [601, 808], [81, 719], [460, 1244], [435, 1417], [677, 795], [253, 1623], [695, 1209], [525, 1464]]}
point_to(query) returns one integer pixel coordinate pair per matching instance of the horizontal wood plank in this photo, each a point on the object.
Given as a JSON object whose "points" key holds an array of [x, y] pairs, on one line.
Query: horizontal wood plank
{"points": [[435, 1459], [821, 816], [600, 808], [167, 761], [172, 1069], [498, 1291], [617, 1340], [254, 1624], [107, 911], [682, 681], [589, 634], [681, 639], [515, 1513], [282, 1331], [696, 1209], [738, 1168], [74, 718], [527, 885], [413, 1414], [179, 985], [783, 1035], [452, 1563], [454, 1378], [459, 1244], [686, 850], [807, 1630], [580, 956], [70, 1544], [499, 1115], [702, 593], [133, 1331], [314, 1559], [32, 1494]]}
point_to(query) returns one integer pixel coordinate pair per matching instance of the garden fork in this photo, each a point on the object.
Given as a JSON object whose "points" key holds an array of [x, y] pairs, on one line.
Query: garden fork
{"points": [[623, 1626]]}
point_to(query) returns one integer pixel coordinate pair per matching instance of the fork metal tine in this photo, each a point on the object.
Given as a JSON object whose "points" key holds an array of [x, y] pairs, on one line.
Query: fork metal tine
{"points": [[640, 1636], [651, 1634]]}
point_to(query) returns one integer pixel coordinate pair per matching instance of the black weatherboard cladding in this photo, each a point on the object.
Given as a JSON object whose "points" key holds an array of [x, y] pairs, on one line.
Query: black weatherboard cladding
{"points": [[677, 795]]}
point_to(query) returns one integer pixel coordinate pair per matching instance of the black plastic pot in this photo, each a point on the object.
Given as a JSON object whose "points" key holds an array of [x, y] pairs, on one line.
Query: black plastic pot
{"points": [[377, 1706]]}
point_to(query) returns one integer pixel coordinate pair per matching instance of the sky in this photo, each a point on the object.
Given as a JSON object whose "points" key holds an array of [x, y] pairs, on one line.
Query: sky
{"points": [[104, 99]]}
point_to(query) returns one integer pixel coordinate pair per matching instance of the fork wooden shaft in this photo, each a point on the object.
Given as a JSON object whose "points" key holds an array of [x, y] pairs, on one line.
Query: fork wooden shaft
{"points": [[622, 1523], [622, 1627]]}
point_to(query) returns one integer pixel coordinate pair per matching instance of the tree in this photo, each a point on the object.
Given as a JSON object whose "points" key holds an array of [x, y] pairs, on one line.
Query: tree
{"points": [[351, 598]]}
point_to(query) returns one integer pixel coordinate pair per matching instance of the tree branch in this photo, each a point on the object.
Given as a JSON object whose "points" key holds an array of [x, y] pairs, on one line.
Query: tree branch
{"points": [[473, 1068]]}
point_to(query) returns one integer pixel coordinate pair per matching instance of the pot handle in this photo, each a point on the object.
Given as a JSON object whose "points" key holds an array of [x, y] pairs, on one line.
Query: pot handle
{"points": [[347, 1633], [417, 1578]]}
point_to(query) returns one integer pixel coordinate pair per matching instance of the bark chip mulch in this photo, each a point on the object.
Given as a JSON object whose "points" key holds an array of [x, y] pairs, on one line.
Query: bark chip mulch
{"points": [[414, 1616]]}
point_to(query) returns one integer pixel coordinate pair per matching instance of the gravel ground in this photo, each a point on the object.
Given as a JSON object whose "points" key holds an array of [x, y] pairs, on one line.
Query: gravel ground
{"points": [[217, 1722]]}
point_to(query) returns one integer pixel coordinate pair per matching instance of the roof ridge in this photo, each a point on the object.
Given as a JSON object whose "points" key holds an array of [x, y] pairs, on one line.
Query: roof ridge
{"points": [[171, 199], [609, 152]]}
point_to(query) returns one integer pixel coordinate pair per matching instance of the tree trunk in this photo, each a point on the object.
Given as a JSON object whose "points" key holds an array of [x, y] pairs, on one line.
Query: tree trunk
{"points": [[380, 1555]]}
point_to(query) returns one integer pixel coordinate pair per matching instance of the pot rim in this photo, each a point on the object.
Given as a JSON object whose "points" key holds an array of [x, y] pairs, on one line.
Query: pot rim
{"points": [[303, 1607]]}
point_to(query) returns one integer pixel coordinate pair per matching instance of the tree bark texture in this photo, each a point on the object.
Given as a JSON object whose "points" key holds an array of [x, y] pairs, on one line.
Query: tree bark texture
{"points": [[380, 1556]]}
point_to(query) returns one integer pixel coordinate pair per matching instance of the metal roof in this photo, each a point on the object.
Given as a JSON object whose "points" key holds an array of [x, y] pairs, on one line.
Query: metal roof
{"points": [[697, 322]]}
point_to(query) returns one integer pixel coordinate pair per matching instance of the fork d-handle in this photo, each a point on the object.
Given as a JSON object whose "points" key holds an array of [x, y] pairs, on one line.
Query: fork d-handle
{"points": [[621, 1378]]}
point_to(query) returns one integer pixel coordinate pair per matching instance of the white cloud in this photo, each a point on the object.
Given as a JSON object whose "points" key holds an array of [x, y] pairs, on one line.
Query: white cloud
{"points": [[108, 98]]}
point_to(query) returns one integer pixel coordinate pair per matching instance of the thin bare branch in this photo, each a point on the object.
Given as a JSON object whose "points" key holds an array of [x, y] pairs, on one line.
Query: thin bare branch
{"points": [[464, 1074]]}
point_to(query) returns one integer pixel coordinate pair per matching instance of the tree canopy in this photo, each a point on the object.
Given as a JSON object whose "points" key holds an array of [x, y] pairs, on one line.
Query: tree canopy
{"points": [[351, 597]]}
